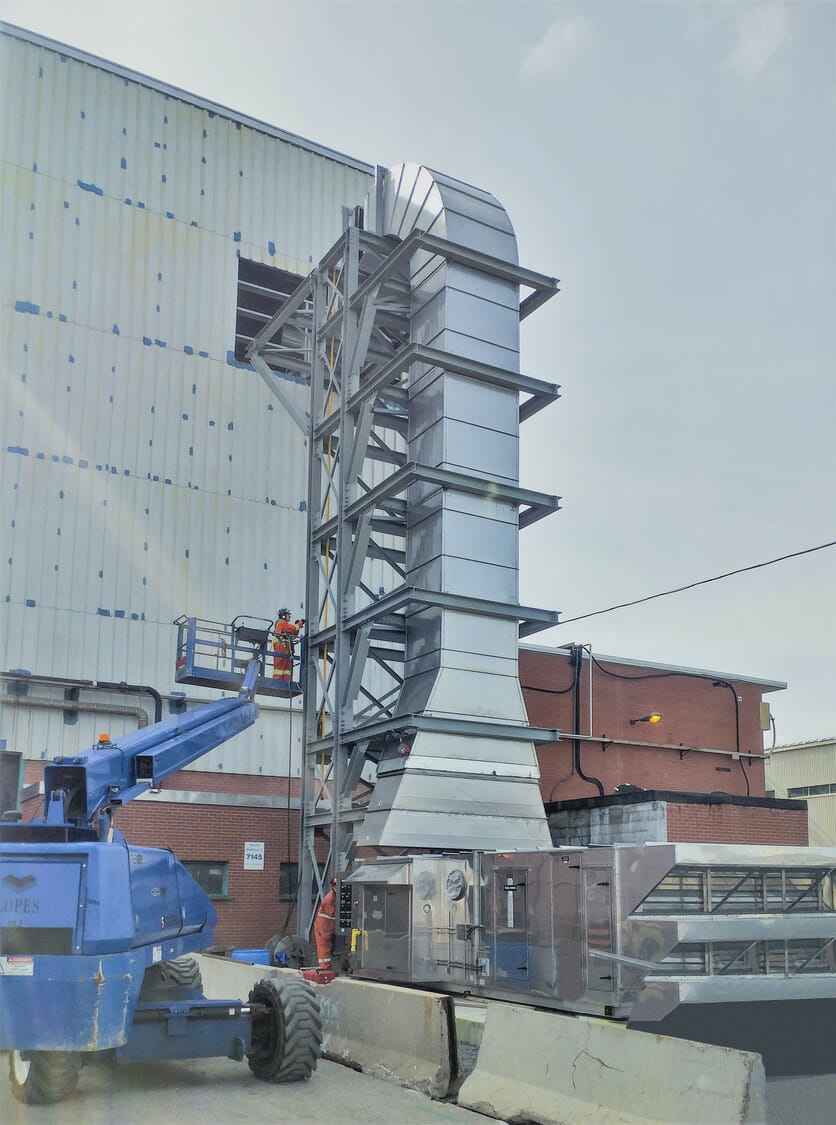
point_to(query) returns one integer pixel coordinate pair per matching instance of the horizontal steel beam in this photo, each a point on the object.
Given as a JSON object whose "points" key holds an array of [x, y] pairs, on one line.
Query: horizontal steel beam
{"points": [[302, 292], [542, 285], [469, 728], [539, 504], [531, 619]]}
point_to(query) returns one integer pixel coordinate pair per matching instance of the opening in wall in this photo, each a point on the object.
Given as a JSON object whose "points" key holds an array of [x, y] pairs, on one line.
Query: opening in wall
{"points": [[262, 290]]}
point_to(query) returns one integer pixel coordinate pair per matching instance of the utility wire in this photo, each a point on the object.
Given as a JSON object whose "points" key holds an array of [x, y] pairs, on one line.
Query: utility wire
{"points": [[702, 582]]}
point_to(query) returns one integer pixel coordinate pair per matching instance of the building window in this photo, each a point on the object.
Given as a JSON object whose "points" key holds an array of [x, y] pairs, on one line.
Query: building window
{"points": [[288, 881], [812, 790], [208, 875], [262, 290]]}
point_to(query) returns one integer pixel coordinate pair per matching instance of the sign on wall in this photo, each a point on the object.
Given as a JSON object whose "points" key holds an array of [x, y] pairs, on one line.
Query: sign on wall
{"points": [[253, 856]]}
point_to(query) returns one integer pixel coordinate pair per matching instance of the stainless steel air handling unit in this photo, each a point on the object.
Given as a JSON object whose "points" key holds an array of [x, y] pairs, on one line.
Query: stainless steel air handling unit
{"points": [[454, 789], [687, 939]]}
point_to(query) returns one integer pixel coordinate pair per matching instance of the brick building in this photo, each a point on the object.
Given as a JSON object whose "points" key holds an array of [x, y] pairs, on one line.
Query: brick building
{"points": [[695, 774], [679, 779]]}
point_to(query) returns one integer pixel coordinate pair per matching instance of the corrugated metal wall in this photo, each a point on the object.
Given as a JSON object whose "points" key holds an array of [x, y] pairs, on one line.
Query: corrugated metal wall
{"points": [[801, 767], [144, 473]]}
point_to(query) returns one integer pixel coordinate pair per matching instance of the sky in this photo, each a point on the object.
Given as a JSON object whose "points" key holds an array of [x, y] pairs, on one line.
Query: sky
{"points": [[674, 164]]}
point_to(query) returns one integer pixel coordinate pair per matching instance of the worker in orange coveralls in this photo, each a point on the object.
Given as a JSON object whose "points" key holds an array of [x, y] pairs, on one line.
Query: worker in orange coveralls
{"points": [[286, 633], [324, 927]]}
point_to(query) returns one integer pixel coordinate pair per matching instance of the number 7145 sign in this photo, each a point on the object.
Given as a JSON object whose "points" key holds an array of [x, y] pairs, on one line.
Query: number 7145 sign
{"points": [[253, 856]]}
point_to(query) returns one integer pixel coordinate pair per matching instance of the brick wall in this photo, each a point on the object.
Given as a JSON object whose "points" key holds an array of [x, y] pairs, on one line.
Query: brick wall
{"points": [[736, 824], [694, 713]]}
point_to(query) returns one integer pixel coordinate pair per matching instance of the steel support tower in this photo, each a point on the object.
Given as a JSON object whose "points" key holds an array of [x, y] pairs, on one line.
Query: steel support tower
{"points": [[348, 327]]}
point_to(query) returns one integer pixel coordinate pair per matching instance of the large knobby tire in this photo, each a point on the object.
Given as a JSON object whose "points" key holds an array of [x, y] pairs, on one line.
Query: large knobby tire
{"points": [[45, 1076], [177, 979], [287, 1037], [297, 951], [183, 972]]}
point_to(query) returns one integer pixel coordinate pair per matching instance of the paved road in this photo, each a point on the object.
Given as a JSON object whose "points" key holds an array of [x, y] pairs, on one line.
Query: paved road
{"points": [[221, 1091], [217, 1090]]}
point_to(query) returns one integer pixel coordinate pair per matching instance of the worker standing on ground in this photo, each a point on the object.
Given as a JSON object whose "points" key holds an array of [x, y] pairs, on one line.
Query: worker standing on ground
{"points": [[324, 927], [285, 633]]}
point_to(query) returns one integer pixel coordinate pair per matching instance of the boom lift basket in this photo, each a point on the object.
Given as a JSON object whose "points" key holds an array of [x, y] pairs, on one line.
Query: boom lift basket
{"points": [[216, 654]]}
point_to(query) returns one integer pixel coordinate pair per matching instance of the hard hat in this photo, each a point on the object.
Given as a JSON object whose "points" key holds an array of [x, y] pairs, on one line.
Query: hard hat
{"points": [[284, 612]]}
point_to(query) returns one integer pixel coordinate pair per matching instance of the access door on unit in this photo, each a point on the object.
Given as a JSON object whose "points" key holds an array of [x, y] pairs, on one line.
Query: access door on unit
{"points": [[511, 926], [385, 926], [600, 972]]}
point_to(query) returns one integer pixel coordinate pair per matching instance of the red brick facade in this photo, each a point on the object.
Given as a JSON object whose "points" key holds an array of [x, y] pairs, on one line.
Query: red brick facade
{"points": [[695, 714], [735, 824]]}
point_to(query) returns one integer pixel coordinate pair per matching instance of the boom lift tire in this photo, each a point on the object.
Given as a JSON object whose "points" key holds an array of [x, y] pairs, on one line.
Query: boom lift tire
{"points": [[178, 978], [45, 1076], [287, 1038], [182, 971]]}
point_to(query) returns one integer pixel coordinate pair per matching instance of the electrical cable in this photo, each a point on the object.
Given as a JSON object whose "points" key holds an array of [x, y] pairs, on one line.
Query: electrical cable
{"points": [[563, 691], [577, 659], [649, 675], [733, 690], [702, 582]]}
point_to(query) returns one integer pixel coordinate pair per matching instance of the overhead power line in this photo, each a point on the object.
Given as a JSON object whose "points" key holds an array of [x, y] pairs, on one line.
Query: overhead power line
{"points": [[702, 582]]}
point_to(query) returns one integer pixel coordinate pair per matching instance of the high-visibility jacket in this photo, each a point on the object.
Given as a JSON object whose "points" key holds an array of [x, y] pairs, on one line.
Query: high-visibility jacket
{"points": [[286, 633], [324, 925]]}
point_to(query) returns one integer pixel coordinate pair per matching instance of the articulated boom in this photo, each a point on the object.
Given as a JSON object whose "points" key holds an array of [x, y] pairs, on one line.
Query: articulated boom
{"points": [[79, 789]]}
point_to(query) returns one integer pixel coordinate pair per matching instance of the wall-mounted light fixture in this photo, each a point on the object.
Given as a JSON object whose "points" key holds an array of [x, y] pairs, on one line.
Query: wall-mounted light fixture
{"points": [[654, 718]]}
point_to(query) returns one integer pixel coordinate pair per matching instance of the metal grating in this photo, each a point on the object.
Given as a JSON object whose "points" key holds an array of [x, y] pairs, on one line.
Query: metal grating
{"points": [[718, 890]]}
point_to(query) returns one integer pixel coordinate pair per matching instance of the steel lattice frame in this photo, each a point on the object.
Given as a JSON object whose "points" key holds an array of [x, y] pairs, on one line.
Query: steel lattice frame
{"points": [[348, 327]]}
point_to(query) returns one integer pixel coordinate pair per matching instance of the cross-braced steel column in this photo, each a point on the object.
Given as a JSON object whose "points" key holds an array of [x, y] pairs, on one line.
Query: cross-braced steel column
{"points": [[352, 324]]}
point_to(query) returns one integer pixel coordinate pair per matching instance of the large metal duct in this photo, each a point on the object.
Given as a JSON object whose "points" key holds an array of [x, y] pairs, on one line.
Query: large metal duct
{"points": [[453, 790]]}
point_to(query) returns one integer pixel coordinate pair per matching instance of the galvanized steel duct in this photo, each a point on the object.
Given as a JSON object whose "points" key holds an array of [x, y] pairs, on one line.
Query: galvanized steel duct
{"points": [[453, 790]]}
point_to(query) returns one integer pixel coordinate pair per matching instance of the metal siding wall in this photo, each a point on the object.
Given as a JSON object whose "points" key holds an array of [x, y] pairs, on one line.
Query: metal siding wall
{"points": [[808, 765], [144, 474]]}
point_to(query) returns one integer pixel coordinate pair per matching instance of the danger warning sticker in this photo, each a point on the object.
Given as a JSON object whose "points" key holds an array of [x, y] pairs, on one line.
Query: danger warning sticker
{"points": [[12, 965]]}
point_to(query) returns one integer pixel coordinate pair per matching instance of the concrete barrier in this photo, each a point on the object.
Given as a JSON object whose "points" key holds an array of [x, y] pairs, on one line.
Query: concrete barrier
{"points": [[551, 1068], [398, 1034]]}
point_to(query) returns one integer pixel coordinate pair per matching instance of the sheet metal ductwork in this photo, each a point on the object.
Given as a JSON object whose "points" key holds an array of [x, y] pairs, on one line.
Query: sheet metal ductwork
{"points": [[451, 790]]}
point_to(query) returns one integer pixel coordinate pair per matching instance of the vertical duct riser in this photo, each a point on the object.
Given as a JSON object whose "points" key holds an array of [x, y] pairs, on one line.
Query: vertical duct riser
{"points": [[455, 791]]}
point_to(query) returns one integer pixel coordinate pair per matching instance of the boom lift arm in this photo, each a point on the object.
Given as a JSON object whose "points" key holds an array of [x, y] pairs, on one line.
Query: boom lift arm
{"points": [[81, 791]]}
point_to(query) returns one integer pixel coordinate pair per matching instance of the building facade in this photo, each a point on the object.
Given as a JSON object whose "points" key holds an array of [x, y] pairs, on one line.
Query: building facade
{"points": [[807, 771], [148, 472]]}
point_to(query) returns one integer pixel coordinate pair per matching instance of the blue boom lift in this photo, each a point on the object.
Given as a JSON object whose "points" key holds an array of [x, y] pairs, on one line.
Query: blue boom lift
{"points": [[95, 933]]}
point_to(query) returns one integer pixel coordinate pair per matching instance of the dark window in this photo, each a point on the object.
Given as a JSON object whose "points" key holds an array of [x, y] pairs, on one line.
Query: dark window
{"points": [[209, 875], [262, 290], [288, 881]]}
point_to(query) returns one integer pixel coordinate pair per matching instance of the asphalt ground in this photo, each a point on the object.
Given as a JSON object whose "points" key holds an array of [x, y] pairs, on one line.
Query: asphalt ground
{"points": [[221, 1091]]}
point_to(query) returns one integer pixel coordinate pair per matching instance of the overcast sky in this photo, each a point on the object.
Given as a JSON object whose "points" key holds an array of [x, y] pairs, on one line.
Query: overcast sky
{"points": [[674, 163]]}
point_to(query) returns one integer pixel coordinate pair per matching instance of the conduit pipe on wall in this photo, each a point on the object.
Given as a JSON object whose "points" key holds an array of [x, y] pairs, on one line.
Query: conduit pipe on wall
{"points": [[577, 657], [138, 713], [614, 741], [67, 682]]}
